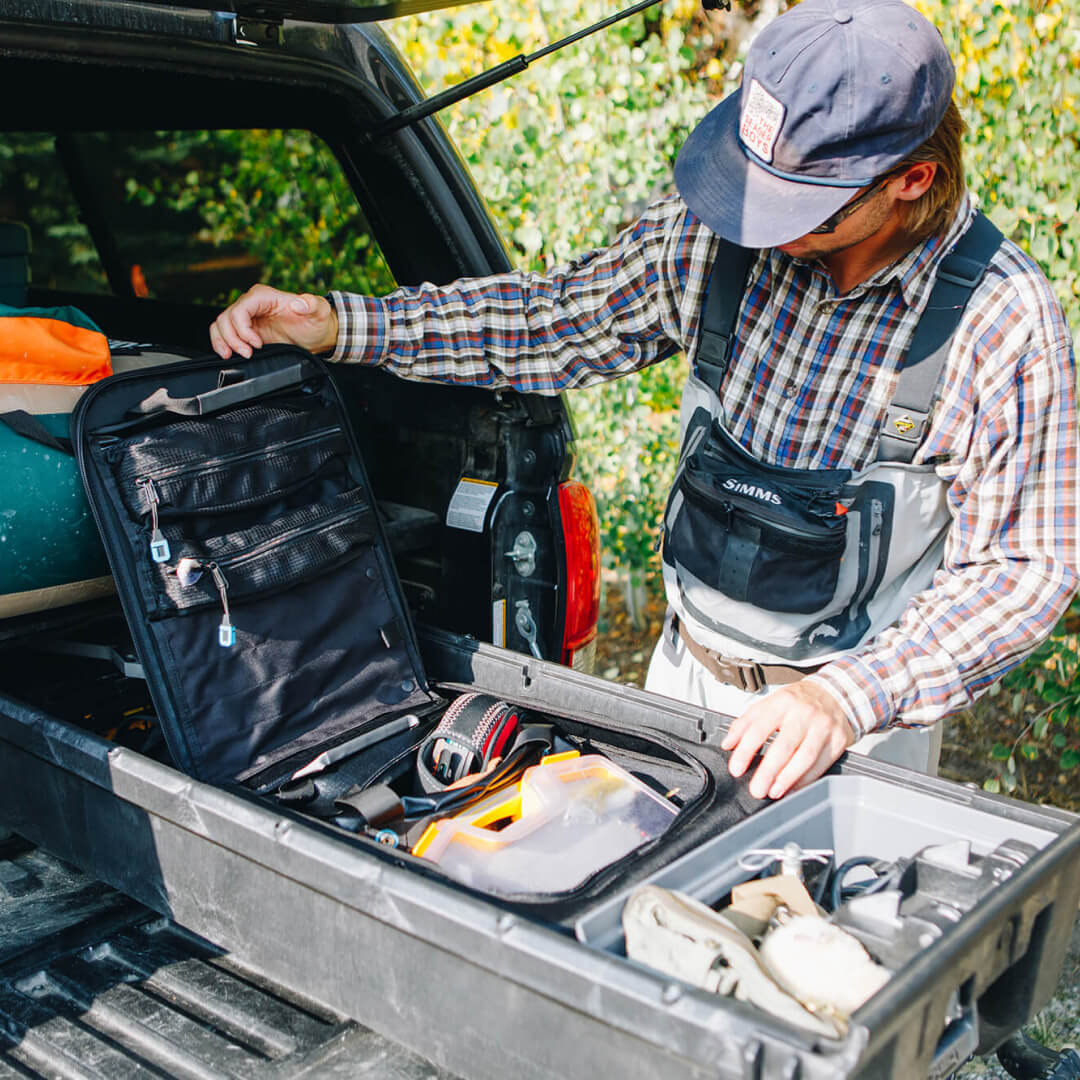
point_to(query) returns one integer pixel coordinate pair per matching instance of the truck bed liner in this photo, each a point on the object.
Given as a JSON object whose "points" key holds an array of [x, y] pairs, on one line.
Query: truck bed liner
{"points": [[93, 984]]}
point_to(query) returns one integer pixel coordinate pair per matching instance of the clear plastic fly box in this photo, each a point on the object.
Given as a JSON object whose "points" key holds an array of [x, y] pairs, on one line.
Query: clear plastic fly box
{"points": [[564, 820]]}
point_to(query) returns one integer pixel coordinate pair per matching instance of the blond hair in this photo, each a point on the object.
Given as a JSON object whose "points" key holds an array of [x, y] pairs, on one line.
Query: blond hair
{"points": [[932, 212]]}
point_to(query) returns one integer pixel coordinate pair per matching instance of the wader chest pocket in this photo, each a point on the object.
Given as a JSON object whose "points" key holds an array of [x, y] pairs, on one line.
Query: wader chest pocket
{"points": [[775, 544]]}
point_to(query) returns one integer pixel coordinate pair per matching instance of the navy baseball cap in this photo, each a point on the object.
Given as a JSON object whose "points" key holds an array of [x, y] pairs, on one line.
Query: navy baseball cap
{"points": [[834, 94]]}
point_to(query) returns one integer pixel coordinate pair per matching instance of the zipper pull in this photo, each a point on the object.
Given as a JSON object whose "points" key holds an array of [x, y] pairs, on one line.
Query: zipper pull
{"points": [[159, 546], [226, 633]]}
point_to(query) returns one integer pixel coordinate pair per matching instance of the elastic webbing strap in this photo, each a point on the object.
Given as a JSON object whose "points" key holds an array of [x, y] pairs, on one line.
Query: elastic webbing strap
{"points": [[908, 415], [723, 298]]}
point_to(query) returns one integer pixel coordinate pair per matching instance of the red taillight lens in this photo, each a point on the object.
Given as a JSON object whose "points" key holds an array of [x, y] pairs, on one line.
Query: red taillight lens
{"points": [[581, 539]]}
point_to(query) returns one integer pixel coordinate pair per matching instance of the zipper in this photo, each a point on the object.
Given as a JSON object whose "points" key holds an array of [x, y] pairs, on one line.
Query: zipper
{"points": [[828, 482], [253, 552], [226, 637], [213, 464], [189, 571], [159, 546], [171, 513], [807, 532], [877, 523]]}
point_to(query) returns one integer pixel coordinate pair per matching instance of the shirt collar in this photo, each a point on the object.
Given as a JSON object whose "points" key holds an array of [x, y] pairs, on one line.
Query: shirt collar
{"points": [[915, 272]]}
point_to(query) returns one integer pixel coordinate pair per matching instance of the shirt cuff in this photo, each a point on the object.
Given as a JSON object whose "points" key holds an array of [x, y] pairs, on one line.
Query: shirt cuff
{"points": [[864, 699], [362, 322]]}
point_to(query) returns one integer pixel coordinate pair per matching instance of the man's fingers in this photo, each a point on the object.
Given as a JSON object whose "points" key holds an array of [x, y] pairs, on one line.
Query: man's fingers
{"points": [[761, 722], [226, 332], [218, 343], [786, 761], [821, 766], [735, 732], [246, 324]]}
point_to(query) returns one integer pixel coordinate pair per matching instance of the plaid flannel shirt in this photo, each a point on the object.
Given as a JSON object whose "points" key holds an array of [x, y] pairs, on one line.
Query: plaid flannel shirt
{"points": [[808, 385]]}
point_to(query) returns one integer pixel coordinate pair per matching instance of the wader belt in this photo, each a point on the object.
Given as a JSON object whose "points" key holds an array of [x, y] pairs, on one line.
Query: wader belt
{"points": [[747, 675]]}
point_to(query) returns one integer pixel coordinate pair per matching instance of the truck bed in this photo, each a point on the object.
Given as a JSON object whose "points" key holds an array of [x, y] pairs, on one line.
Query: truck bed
{"points": [[93, 984]]}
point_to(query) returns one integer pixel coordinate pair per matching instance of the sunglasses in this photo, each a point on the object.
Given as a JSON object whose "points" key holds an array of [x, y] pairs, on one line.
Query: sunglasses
{"points": [[833, 220]]}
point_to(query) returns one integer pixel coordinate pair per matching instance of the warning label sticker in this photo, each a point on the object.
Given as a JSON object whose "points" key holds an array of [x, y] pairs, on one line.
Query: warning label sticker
{"points": [[469, 504], [762, 118]]}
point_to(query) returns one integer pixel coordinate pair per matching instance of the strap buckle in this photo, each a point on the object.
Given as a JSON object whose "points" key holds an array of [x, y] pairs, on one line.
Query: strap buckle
{"points": [[745, 674], [711, 359], [961, 270]]}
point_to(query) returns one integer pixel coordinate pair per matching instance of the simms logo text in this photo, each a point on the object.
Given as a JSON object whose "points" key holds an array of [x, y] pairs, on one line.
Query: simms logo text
{"points": [[731, 484]]}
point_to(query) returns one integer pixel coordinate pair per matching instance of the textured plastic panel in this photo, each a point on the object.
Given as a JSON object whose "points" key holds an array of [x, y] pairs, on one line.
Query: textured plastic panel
{"points": [[475, 987], [848, 815]]}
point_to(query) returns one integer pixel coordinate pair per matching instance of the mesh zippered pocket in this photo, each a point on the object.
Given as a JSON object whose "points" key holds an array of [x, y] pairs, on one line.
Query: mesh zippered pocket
{"points": [[272, 555]]}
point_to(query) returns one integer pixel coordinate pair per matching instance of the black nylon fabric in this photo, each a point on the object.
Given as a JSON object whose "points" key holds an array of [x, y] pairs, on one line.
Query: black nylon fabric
{"points": [[767, 537], [303, 669], [262, 625]]}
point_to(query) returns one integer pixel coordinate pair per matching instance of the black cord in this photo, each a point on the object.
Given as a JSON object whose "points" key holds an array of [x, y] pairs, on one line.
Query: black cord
{"points": [[882, 877]]}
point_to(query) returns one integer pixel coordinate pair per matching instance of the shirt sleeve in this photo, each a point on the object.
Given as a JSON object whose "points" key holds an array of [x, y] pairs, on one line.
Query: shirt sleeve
{"points": [[1010, 564], [606, 314]]}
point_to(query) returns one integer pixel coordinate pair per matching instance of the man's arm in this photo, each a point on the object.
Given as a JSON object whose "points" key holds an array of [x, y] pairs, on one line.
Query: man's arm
{"points": [[606, 314]]}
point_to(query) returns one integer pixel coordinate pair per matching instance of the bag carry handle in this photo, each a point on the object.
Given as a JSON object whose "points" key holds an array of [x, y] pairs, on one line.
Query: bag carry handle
{"points": [[30, 427], [224, 397]]}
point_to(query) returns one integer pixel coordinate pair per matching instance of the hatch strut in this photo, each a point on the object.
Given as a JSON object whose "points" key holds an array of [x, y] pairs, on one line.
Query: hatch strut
{"points": [[513, 66]]}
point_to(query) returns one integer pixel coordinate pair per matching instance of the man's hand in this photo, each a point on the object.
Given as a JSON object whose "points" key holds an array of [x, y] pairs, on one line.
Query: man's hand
{"points": [[811, 729], [263, 316]]}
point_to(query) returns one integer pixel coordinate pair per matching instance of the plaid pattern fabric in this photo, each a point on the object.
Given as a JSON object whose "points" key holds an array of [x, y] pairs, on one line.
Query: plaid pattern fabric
{"points": [[808, 386]]}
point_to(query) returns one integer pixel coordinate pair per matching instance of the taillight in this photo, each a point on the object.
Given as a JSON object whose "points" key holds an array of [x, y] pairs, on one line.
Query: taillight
{"points": [[581, 542]]}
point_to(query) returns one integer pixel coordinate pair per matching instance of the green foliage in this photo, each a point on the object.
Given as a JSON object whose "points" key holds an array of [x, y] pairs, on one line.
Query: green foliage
{"points": [[1045, 693], [277, 196], [567, 153], [1018, 87]]}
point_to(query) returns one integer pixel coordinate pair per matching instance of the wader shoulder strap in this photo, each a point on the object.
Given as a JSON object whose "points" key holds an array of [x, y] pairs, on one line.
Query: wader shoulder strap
{"points": [[723, 297], [908, 414]]}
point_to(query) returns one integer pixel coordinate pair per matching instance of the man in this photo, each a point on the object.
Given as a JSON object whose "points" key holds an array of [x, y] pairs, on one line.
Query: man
{"points": [[822, 592]]}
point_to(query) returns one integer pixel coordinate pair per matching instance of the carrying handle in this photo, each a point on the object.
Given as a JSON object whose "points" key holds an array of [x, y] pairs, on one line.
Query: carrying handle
{"points": [[224, 397]]}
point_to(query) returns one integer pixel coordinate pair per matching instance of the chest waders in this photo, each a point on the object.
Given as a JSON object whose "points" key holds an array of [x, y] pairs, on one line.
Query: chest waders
{"points": [[799, 566]]}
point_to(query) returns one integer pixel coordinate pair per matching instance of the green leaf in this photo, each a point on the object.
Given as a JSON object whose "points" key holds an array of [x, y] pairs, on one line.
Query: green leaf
{"points": [[993, 785], [1070, 759], [1008, 781], [1000, 752], [1029, 751], [1059, 741]]}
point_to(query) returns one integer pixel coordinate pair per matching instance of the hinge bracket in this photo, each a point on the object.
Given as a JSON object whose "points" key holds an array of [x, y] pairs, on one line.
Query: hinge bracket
{"points": [[264, 32]]}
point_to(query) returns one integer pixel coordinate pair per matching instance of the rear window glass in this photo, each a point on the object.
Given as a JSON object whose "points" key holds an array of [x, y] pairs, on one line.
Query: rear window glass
{"points": [[187, 216]]}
